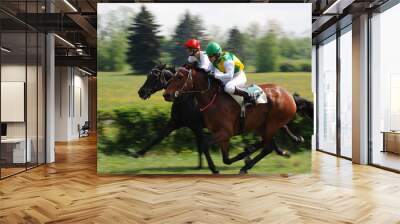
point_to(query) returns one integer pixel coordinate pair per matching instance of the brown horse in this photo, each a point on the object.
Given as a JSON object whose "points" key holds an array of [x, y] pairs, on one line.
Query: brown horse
{"points": [[222, 113]]}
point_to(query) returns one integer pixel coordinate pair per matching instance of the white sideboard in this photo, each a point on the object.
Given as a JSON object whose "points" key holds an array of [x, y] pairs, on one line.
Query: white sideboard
{"points": [[17, 145]]}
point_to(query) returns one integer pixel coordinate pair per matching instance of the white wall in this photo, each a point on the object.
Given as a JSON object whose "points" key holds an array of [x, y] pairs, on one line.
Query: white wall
{"points": [[62, 81], [11, 73], [71, 102]]}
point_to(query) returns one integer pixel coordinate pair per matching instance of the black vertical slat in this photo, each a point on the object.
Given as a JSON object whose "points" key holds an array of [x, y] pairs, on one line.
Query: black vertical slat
{"points": [[369, 90], [317, 96], [338, 80], [26, 86], [37, 89]]}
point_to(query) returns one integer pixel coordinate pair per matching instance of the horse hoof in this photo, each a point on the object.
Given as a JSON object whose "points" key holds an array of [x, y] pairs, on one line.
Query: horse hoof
{"points": [[300, 140], [242, 172], [215, 172], [286, 154]]}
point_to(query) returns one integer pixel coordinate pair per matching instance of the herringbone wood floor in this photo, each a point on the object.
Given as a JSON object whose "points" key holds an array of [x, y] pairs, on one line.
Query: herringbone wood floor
{"points": [[70, 191]]}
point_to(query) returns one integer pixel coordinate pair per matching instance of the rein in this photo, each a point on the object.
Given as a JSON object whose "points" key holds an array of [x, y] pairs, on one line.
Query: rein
{"points": [[210, 103]]}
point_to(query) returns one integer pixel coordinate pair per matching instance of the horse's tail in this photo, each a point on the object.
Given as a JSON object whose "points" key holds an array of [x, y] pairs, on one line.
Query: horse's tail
{"points": [[305, 107]]}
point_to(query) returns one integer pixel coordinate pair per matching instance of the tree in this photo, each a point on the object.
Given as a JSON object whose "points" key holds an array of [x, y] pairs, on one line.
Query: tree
{"points": [[287, 47], [267, 52], [254, 30], [251, 36], [144, 42], [112, 40], [235, 43], [189, 27], [112, 52], [199, 31]]}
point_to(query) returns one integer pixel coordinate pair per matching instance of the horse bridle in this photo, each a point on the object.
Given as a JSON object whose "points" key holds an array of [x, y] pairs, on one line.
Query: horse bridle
{"points": [[190, 77], [161, 76]]}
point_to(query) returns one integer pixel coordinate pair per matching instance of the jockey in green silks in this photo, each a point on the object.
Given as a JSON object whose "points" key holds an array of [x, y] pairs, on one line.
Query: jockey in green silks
{"points": [[226, 67]]}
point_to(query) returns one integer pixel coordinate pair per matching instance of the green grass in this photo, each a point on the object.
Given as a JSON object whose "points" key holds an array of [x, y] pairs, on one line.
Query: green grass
{"points": [[184, 163], [117, 89]]}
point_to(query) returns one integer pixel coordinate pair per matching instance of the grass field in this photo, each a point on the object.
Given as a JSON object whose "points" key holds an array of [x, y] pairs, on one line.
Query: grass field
{"points": [[120, 90], [184, 163]]}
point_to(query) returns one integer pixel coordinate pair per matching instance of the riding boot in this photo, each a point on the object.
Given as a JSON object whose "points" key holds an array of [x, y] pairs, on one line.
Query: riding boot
{"points": [[246, 96]]}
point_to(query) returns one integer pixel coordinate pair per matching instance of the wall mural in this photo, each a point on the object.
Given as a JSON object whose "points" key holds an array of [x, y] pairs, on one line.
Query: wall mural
{"points": [[200, 88]]}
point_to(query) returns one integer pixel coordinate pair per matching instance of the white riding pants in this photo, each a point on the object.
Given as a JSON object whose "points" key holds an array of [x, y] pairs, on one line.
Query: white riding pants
{"points": [[239, 80]]}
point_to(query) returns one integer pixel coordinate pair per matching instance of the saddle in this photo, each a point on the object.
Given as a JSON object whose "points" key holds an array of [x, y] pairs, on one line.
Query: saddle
{"points": [[257, 93]]}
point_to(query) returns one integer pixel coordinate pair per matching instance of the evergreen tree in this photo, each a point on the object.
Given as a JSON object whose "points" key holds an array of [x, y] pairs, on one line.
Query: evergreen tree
{"points": [[144, 42], [235, 43], [189, 27], [199, 31]]}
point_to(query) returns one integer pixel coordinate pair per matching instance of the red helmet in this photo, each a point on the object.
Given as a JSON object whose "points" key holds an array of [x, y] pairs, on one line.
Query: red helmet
{"points": [[193, 43]]}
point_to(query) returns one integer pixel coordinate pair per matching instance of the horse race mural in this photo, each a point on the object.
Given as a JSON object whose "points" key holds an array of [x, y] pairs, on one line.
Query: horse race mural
{"points": [[200, 88]]}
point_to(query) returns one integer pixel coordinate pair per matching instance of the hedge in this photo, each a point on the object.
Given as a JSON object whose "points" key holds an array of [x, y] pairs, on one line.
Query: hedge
{"points": [[128, 129]]}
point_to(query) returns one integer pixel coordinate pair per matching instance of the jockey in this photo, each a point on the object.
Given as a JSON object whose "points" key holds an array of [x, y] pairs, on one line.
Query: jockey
{"points": [[196, 55], [228, 68]]}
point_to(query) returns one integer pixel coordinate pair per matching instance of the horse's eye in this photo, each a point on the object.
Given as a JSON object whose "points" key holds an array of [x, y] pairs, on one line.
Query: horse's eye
{"points": [[180, 77]]}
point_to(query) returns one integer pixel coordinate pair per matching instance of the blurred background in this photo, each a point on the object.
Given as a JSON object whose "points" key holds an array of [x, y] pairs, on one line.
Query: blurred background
{"points": [[267, 38], [274, 44]]}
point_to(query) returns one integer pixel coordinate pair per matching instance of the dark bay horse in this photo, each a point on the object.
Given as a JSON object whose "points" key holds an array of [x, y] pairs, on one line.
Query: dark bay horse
{"points": [[184, 113], [221, 113]]}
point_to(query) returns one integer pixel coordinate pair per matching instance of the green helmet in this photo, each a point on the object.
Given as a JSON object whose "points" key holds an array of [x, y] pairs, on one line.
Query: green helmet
{"points": [[213, 48]]}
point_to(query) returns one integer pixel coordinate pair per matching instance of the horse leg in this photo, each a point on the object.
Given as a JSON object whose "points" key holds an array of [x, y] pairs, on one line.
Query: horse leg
{"points": [[265, 151], [171, 126], [247, 152], [224, 143], [222, 138], [199, 142], [271, 129], [278, 150], [297, 139], [210, 162]]}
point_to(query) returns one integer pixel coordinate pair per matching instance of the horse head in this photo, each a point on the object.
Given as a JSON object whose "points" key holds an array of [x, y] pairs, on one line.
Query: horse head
{"points": [[157, 79], [182, 82]]}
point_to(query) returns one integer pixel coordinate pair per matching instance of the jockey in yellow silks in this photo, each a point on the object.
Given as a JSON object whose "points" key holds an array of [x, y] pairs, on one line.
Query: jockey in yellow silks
{"points": [[226, 67]]}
